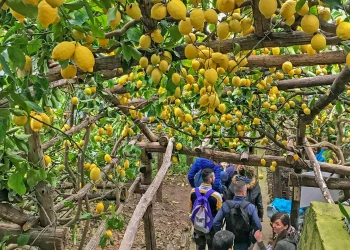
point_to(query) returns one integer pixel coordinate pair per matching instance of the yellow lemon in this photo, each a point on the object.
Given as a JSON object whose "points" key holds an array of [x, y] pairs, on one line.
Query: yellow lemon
{"points": [[69, 72], [46, 14], [133, 11], [84, 58]]}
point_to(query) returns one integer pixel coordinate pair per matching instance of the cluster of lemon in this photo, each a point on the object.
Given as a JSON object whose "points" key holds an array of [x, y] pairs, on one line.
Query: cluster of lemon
{"points": [[108, 130]]}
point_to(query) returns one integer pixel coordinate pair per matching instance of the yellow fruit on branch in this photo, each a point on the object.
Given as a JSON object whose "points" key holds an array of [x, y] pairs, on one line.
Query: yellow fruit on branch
{"points": [[274, 163], [107, 158], [100, 208], [287, 66], [36, 123], [288, 9], [103, 42], [225, 6], [185, 26], [191, 51], [268, 7], [122, 173], [145, 41], [46, 14], [158, 11], [177, 9], [178, 146], [28, 64], [223, 30], [197, 18], [256, 121], [20, 120], [133, 11], [17, 15], [318, 42], [156, 36], [95, 174], [114, 23], [47, 160], [211, 16], [126, 164], [272, 168], [261, 176], [296, 157], [109, 234], [310, 24], [343, 30], [263, 162], [69, 72], [84, 58]]}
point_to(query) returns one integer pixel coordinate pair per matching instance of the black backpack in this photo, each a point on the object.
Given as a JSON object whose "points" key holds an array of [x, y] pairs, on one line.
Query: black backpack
{"points": [[238, 222]]}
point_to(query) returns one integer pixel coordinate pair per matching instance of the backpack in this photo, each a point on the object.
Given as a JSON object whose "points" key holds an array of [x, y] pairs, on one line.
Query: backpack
{"points": [[238, 222], [202, 217]]}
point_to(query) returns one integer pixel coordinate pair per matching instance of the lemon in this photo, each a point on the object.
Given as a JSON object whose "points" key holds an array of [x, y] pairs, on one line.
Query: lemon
{"points": [[28, 64], [330, 160], [95, 174], [325, 14], [274, 163], [109, 234], [188, 118], [75, 100], [69, 72], [122, 173], [133, 11], [177, 9], [163, 65], [222, 108], [145, 41], [77, 35], [18, 16], [304, 10], [263, 162], [126, 164], [310, 50], [261, 176], [197, 18], [158, 11], [290, 20], [343, 30], [100, 208], [307, 111], [211, 16], [89, 39], [107, 158], [176, 78], [20, 120], [246, 23], [47, 160], [87, 91], [60, 167], [103, 42], [156, 75], [191, 51], [195, 65], [63, 51], [296, 157], [84, 58], [211, 76], [267, 7], [156, 36], [55, 3], [214, 119], [225, 6], [185, 26], [143, 62], [256, 121], [190, 38], [288, 9], [32, 2], [36, 124], [310, 24], [114, 23], [235, 26], [318, 42], [178, 146], [46, 14], [272, 168], [287, 66]]}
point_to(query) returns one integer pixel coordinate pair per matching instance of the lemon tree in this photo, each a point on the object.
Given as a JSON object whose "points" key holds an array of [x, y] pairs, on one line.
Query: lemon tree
{"points": [[87, 77]]}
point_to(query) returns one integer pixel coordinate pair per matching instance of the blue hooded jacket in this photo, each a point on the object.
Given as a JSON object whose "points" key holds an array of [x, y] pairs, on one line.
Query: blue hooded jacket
{"points": [[200, 164]]}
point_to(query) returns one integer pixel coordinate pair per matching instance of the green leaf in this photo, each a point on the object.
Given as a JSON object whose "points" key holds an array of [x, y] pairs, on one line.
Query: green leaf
{"points": [[339, 107], [4, 125], [27, 10], [134, 34], [346, 45], [334, 4], [76, 5], [6, 68], [111, 14], [34, 106], [97, 32], [64, 64], [89, 11], [299, 5], [23, 239], [175, 34], [34, 46], [236, 48], [343, 211], [15, 158], [16, 183], [127, 53], [68, 204], [103, 241], [4, 112], [86, 215]]}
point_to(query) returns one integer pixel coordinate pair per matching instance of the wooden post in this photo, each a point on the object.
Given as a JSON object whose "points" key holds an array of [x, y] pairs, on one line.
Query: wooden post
{"points": [[160, 191], [295, 207], [277, 188], [148, 223]]}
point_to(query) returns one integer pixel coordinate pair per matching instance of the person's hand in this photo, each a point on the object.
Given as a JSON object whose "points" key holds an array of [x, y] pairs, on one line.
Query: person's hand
{"points": [[258, 236]]}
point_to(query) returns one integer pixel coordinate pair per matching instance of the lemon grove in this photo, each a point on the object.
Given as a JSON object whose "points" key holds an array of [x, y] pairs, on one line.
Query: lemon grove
{"points": [[85, 74]]}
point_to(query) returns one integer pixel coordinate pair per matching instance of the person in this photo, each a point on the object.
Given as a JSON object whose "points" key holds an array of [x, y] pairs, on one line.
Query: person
{"points": [[194, 175], [240, 216], [247, 174], [215, 202], [286, 238], [223, 240]]}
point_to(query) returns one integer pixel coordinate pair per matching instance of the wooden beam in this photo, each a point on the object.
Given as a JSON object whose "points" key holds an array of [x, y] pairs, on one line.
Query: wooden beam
{"points": [[306, 82], [254, 160], [300, 180], [275, 39], [160, 191], [146, 200], [333, 57], [13, 214], [318, 175], [44, 238]]}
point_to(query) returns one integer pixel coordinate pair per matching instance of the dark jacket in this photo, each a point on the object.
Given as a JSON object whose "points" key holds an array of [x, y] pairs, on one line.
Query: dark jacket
{"points": [[219, 218], [253, 192], [285, 244]]}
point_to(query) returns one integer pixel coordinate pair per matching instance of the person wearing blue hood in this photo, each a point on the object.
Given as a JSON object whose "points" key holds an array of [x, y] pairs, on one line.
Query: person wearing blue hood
{"points": [[247, 174], [194, 175]]}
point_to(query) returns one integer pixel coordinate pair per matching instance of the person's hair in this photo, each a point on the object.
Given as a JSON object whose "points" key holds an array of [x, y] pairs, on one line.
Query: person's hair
{"points": [[284, 217], [223, 240], [207, 174], [240, 187]]}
